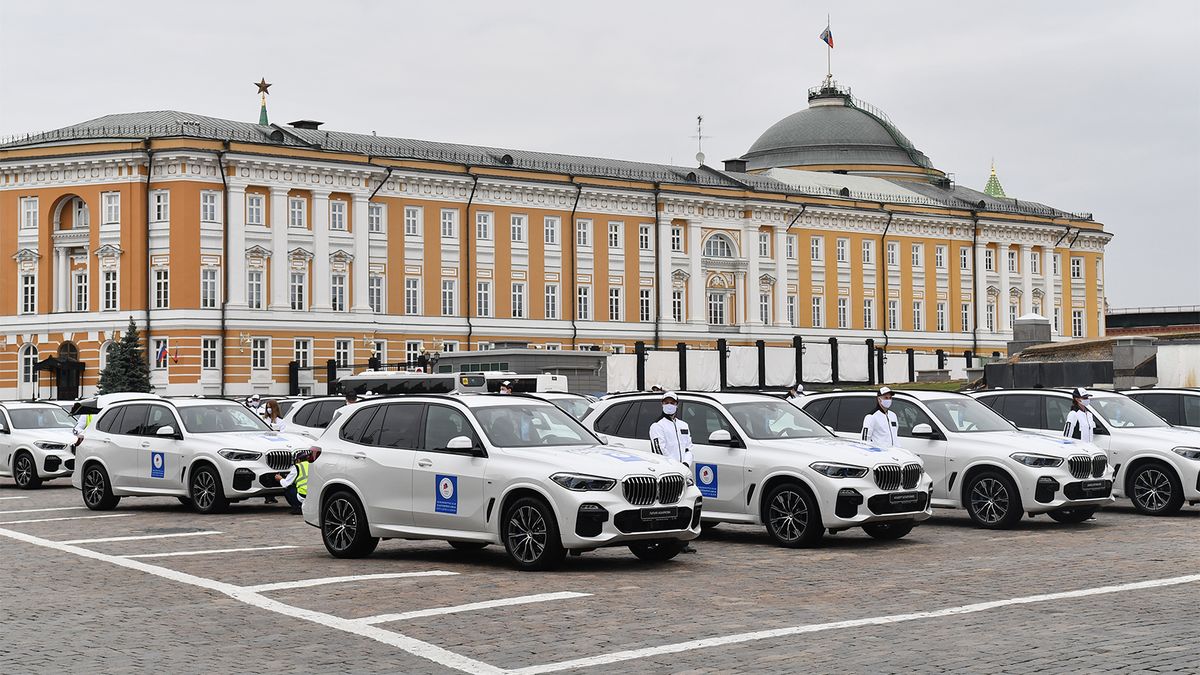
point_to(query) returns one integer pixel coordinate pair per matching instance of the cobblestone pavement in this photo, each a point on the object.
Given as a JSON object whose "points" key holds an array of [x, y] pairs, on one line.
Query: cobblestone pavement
{"points": [[739, 605]]}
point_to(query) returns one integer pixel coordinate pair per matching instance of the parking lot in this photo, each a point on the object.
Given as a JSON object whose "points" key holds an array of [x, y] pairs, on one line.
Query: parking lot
{"points": [[152, 586]]}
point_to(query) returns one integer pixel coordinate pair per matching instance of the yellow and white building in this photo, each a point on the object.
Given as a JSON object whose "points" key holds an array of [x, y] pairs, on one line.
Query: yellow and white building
{"points": [[240, 247]]}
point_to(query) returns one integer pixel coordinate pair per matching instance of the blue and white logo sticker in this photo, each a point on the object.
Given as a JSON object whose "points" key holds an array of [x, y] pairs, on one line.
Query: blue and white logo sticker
{"points": [[158, 465], [706, 479], [446, 499]]}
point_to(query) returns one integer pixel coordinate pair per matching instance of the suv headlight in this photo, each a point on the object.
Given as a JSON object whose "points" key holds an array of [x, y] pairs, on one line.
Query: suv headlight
{"points": [[239, 455], [583, 482], [689, 480], [50, 445], [1190, 453], [1037, 461], [835, 470]]}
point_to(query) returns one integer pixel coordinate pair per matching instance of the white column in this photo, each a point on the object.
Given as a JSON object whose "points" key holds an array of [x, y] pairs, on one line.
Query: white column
{"points": [[1047, 282], [980, 295], [1004, 289], [1065, 299], [697, 286], [362, 254], [781, 276], [62, 279], [665, 282], [279, 248], [742, 284], [750, 250], [1026, 278], [320, 268], [235, 267]]}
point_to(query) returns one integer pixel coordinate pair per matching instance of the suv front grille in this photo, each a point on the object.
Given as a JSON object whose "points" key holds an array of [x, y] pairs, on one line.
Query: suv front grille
{"points": [[1081, 466], [1099, 465], [280, 460], [893, 476], [670, 488], [912, 475], [640, 490]]}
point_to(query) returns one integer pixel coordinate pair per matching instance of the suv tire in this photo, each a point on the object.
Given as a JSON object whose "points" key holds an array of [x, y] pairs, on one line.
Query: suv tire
{"points": [[792, 516], [992, 500], [24, 472], [97, 490], [344, 528], [530, 534], [206, 491], [1155, 490]]}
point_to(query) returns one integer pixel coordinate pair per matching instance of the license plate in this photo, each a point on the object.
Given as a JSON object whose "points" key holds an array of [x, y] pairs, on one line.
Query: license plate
{"points": [[905, 498], [665, 513], [1093, 485]]}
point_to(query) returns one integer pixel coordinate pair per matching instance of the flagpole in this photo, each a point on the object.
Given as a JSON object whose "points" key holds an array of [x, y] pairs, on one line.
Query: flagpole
{"points": [[828, 53]]}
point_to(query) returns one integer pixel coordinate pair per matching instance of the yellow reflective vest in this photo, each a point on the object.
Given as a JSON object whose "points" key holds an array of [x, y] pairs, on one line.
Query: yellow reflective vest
{"points": [[302, 479]]}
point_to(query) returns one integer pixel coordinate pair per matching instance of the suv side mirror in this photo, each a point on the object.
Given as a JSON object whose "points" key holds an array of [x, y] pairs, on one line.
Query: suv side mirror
{"points": [[830, 429], [722, 437], [923, 431], [167, 430], [465, 446]]}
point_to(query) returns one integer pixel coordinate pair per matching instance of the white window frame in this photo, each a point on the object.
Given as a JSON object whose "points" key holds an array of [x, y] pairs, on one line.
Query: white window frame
{"points": [[412, 351], [297, 212], [376, 218], [583, 303], [677, 306], [256, 211], [583, 233], [413, 218], [162, 288], [964, 257], [519, 228], [209, 203], [28, 295], [30, 213], [843, 251], [80, 290], [337, 215], [940, 317], [260, 353], [255, 289], [412, 296], [1012, 262], [764, 308], [918, 314], [676, 239], [112, 208], [1035, 262], [343, 352], [616, 310], [818, 311], [843, 312], [645, 238], [298, 290], [965, 317], [518, 300], [645, 305], [789, 245], [551, 227], [551, 300], [868, 252], [449, 297], [448, 223], [868, 313], [376, 299], [302, 352], [1077, 324], [1076, 268], [918, 255], [210, 353], [989, 260], [483, 298], [939, 257], [990, 315], [614, 234], [337, 292], [764, 244], [893, 314], [157, 346], [816, 248], [718, 246], [483, 226], [160, 201], [893, 254], [210, 292], [718, 308], [791, 310]]}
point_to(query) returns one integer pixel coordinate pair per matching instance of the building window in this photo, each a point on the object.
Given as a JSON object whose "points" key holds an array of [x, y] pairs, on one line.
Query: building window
{"points": [[583, 308], [918, 317], [254, 209], [29, 293], [258, 353], [162, 354], [1077, 323], [1055, 264], [550, 228], [483, 226], [337, 214], [583, 233], [298, 289], [337, 292], [816, 248], [677, 239], [764, 308], [29, 213], [868, 253], [818, 311], [449, 300], [379, 350], [1099, 271], [449, 221], [991, 315], [300, 351], [1076, 268], [645, 309], [1035, 262], [893, 254], [375, 218], [297, 212], [941, 317], [208, 207], [1057, 319], [677, 306], [893, 317], [644, 238], [160, 205], [29, 361], [614, 235], [789, 247], [843, 250], [81, 214], [989, 260], [1012, 261], [518, 301], [208, 288], [716, 308], [551, 301], [791, 310], [483, 298], [965, 317], [162, 288], [964, 258], [209, 348], [614, 304], [869, 313], [918, 255], [81, 291], [412, 221], [412, 296], [939, 257], [519, 226], [843, 312], [1037, 306], [375, 293], [112, 208], [254, 289], [1014, 309], [412, 351], [764, 244], [341, 352], [718, 246]]}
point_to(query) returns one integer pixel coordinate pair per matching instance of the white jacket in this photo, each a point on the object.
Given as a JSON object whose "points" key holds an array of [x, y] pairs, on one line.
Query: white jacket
{"points": [[1080, 425], [881, 428], [672, 439]]}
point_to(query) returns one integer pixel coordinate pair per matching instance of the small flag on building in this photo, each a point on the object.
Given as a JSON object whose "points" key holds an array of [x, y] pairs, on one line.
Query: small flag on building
{"points": [[827, 37]]}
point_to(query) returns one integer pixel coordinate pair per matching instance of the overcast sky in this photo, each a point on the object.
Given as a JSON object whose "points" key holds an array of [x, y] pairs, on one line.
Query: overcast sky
{"points": [[1085, 105]]}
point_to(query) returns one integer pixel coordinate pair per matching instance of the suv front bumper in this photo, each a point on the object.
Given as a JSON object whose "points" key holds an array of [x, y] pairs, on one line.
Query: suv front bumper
{"points": [[590, 520], [854, 502], [1049, 489], [54, 463]]}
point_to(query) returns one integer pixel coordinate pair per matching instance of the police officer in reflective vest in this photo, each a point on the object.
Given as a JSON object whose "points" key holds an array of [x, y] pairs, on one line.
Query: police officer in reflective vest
{"points": [[295, 483], [671, 438], [880, 426], [1080, 424], [81, 425]]}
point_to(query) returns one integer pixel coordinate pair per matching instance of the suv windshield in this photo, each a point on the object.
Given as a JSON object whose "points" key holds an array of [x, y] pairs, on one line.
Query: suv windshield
{"points": [[576, 406], [1122, 413], [49, 417], [966, 415], [764, 420], [521, 426], [218, 418]]}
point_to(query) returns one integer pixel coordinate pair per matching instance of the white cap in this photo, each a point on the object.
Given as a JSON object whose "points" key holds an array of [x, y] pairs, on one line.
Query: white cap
{"points": [[1080, 392], [255, 396], [883, 391], [506, 383], [669, 394]]}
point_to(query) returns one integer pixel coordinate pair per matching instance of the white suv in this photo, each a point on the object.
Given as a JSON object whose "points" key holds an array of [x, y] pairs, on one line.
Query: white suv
{"points": [[205, 452], [1179, 406], [762, 461], [310, 416], [35, 443], [1157, 465], [481, 469], [978, 460]]}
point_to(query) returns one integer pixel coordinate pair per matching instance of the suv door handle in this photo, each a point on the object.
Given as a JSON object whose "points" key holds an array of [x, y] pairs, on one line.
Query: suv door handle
{"points": [[146, 444], [359, 455], [424, 463]]}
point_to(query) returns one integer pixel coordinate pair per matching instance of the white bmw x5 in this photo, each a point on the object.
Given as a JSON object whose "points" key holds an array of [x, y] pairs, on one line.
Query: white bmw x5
{"points": [[482, 469], [35, 443]]}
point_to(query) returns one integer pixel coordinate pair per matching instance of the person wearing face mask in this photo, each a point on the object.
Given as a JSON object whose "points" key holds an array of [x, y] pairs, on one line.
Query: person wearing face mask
{"points": [[880, 426], [671, 438], [1080, 423]]}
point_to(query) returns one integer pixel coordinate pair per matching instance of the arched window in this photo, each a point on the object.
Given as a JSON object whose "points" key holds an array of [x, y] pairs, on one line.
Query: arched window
{"points": [[718, 246], [29, 359], [104, 353], [68, 351]]}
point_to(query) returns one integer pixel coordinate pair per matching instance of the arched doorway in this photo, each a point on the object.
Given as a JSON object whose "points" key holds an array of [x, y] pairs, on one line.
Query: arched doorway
{"points": [[66, 369], [27, 382]]}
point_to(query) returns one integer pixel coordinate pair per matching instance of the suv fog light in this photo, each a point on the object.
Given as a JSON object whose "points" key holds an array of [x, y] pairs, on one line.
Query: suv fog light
{"points": [[848, 501], [590, 520], [1047, 487]]}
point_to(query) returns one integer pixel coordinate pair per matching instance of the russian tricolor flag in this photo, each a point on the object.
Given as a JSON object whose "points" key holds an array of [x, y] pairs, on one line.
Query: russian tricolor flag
{"points": [[827, 37]]}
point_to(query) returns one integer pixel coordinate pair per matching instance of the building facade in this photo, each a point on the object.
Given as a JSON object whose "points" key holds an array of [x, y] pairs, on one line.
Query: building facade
{"points": [[238, 248]]}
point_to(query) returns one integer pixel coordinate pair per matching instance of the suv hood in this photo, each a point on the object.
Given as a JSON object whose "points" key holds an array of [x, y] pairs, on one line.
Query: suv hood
{"points": [[840, 450], [1172, 436], [53, 435], [1024, 441], [598, 460], [261, 441]]}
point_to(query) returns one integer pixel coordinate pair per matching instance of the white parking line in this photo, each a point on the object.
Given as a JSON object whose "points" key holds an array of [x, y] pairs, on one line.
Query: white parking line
{"points": [[139, 537], [305, 583], [209, 552], [3, 498], [57, 508], [678, 647], [412, 646], [471, 607], [54, 520]]}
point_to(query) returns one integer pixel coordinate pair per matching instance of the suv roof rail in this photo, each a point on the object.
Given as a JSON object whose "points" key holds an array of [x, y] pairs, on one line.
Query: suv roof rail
{"points": [[710, 395]]}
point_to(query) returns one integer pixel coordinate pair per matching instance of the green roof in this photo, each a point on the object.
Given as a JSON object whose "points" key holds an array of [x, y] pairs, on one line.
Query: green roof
{"points": [[993, 187]]}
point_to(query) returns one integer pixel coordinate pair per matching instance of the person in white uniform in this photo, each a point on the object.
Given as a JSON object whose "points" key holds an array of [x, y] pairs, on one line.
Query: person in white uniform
{"points": [[1080, 424], [795, 393], [880, 427], [671, 438]]}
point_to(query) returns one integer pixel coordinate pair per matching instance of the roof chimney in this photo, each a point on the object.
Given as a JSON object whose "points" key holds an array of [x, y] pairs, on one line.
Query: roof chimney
{"points": [[305, 124], [738, 165]]}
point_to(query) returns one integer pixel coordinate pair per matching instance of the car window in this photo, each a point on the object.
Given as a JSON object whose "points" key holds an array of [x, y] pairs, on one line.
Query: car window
{"points": [[963, 414], [817, 408], [1023, 410], [324, 413], [851, 412], [42, 417], [1125, 413], [443, 423], [285, 406], [908, 415], [1165, 406], [575, 406], [702, 420], [401, 425], [132, 421], [159, 416], [107, 422], [304, 413], [374, 428], [648, 412], [1057, 409], [353, 428], [765, 420], [528, 426], [220, 418], [609, 421], [1191, 411]]}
